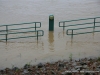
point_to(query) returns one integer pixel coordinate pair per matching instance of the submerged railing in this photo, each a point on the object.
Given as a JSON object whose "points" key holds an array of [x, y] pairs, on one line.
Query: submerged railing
{"points": [[35, 26], [85, 23], [8, 31], [72, 31]]}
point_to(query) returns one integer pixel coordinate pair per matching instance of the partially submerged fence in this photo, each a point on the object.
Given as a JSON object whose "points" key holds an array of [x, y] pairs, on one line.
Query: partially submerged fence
{"points": [[9, 30], [80, 24]]}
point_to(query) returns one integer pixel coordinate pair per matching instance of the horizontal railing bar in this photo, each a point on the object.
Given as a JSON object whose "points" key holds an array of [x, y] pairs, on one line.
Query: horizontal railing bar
{"points": [[19, 29], [2, 39], [19, 24], [2, 30], [84, 33], [24, 28], [3, 34], [79, 19], [26, 36], [97, 22], [87, 32], [21, 37], [76, 20], [21, 32], [40, 31], [96, 17], [83, 28], [77, 24], [18, 37]]}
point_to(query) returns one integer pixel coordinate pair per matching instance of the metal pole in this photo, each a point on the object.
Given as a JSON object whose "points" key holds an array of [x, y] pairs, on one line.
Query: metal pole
{"points": [[35, 26], [51, 22], [59, 24], [7, 29], [40, 24], [6, 37], [6, 32], [67, 32], [72, 33], [37, 35], [94, 23], [63, 26]]}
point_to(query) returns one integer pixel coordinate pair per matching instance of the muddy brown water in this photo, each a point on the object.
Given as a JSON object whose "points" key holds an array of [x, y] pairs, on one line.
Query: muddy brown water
{"points": [[52, 46]]}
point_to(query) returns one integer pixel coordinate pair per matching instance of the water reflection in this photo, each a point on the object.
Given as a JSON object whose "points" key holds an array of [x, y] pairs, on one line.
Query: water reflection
{"points": [[71, 41], [37, 45], [51, 40], [60, 34]]}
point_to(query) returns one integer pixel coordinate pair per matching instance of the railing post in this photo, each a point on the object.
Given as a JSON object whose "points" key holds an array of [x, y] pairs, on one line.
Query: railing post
{"points": [[6, 37], [72, 34], [37, 35], [63, 26], [6, 32], [67, 32], [35, 26], [59, 24], [7, 29], [40, 24], [42, 32], [94, 23], [51, 22]]}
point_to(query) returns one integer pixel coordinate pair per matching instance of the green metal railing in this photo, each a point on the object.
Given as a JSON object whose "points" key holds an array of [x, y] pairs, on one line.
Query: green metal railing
{"points": [[6, 32], [72, 30], [63, 22], [35, 26], [37, 34]]}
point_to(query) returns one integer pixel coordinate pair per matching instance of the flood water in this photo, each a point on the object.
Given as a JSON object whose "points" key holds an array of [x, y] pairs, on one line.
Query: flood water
{"points": [[52, 46]]}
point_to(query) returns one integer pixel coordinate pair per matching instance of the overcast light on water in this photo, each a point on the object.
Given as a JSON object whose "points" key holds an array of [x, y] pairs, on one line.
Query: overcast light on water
{"points": [[52, 46]]}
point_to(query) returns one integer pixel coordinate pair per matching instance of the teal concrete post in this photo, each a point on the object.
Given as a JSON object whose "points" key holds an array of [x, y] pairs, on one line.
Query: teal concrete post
{"points": [[51, 23]]}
